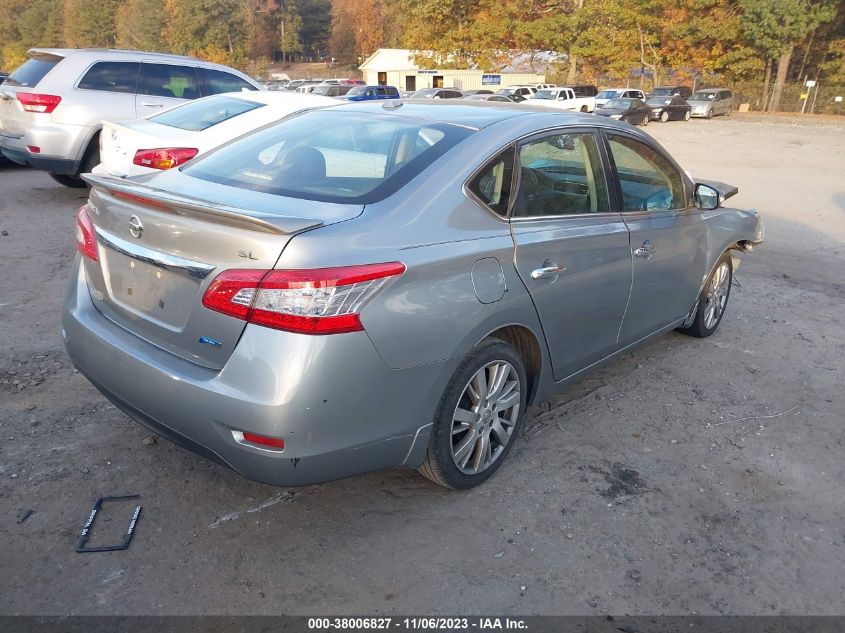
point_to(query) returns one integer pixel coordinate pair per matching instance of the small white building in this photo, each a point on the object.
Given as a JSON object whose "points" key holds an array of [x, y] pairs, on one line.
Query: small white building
{"points": [[396, 67]]}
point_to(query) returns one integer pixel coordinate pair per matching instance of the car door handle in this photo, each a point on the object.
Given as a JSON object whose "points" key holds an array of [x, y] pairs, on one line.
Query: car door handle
{"points": [[645, 250], [149, 104], [547, 271]]}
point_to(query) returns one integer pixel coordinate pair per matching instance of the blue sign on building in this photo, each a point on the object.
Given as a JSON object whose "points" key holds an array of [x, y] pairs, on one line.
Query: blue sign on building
{"points": [[491, 80]]}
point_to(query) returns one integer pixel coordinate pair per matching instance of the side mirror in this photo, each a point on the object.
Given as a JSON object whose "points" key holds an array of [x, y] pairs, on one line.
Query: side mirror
{"points": [[706, 197]]}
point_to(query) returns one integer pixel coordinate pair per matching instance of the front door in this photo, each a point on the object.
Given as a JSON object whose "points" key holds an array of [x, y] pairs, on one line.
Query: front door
{"points": [[572, 251], [668, 241]]}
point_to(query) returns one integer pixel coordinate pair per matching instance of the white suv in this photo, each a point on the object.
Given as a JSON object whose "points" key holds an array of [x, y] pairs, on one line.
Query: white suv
{"points": [[52, 107]]}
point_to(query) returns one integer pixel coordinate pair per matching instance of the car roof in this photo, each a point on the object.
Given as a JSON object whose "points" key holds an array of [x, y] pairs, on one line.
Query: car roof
{"points": [[105, 54], [474, 114]]}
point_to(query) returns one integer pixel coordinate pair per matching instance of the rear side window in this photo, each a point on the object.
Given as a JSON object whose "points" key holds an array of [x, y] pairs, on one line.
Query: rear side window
{"points": [[111, 77], [205, 113], [392, 91], [492, 185], [330, 156], [216, 81], [166, 80], [31, 72]]}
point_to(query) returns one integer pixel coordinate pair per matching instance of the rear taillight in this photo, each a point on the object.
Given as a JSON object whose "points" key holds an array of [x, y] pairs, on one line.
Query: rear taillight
{"points": [[86, 243], [164, 157], [273, 443], [317, 301], [32, 102]]}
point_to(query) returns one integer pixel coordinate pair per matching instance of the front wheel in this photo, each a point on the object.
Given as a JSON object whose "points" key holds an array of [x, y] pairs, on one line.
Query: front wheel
{"points": [[686, 115], [584, 109], [713, 300], [664, 116], [645, 120], [478, 417]]}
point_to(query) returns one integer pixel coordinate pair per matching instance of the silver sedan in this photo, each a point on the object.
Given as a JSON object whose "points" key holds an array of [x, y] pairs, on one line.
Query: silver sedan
{"points": [[370, 285]]}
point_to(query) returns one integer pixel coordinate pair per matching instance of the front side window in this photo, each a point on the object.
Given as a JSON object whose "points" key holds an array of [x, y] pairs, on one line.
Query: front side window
{"points": [[561, 174], [332, 156], [111, 77], [204, 113], [166, 80], [647, 179], [492, 185], [216, 81]]}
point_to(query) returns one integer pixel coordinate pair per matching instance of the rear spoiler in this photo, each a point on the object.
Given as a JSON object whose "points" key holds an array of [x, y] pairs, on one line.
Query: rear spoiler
{"points": [[725, 191], [177, 203]]}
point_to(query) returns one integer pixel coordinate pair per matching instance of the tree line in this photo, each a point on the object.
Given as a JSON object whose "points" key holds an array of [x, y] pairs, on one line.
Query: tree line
{"points": [[767, 43], [764, 43]]}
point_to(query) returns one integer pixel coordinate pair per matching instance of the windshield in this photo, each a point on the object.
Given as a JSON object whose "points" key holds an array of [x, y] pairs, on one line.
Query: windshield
{"points": [[545, 94], [622, 104], [505, 91], [204, 113], [31, 72], [348, 157], [702, 96], [608, 94], [428, 93], [658, 101], [662, 92]]}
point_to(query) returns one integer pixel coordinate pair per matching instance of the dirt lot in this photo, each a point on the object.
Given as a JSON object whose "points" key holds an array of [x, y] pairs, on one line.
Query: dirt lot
{"points": [[693, 476]]}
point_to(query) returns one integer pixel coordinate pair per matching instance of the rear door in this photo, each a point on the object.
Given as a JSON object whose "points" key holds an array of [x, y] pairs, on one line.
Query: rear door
{"points": [[668, 240], [572, 250], [165, 85]]}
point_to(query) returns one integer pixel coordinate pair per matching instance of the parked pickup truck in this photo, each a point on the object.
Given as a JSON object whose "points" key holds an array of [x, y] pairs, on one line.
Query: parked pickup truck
{"points": [[562, 99]]}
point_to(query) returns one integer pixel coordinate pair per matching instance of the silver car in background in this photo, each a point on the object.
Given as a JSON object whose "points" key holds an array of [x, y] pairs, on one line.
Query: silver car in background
{"points": [[52, 106], [711, 102], [370, 285]]}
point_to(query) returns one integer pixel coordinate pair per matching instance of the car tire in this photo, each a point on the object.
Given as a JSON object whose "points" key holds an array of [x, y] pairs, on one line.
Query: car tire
{"points": [[584, 109], [686, 116], [730, 109], [645, 120], [73, 182], [468, 438], [664, 116], [710, 114], [713, 299]]}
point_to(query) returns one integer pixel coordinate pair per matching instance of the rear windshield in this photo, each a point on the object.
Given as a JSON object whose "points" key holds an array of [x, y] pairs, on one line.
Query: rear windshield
{"points": [[347, 157], [31, 72], [205, 113]]}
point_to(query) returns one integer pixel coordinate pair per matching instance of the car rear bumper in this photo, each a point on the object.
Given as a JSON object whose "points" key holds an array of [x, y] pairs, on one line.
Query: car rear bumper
{"points": [[339, 408], [37, 161], [60, 145]]}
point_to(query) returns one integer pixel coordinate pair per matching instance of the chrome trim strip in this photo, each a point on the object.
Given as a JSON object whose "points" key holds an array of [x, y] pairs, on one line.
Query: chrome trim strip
{"points": [[196, 270]]}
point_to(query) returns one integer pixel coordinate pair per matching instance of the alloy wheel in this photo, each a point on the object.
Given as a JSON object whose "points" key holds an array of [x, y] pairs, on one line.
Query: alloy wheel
{"points": [[717, 295], [484, 419]]}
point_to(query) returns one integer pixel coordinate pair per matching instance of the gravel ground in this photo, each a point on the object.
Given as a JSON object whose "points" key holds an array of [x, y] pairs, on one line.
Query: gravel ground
{"points": [[692, 476]]}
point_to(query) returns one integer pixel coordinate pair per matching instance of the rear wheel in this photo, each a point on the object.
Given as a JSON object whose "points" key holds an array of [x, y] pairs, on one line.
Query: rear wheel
{"points": [[730, 109], [645, 120], [713, 300], [686, 116], [664, 116], [583, 108], [478, 417]]}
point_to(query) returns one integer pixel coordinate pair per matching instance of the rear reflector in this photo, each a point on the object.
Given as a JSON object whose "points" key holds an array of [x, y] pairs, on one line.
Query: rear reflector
{"points": [[34, 149], [86, 242], [262, 440], [32, 102], [316, 301], [164, 157]]}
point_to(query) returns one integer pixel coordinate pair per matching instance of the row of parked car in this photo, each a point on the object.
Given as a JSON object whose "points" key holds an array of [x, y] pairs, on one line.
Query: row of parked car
{"points": [[74, 111]]}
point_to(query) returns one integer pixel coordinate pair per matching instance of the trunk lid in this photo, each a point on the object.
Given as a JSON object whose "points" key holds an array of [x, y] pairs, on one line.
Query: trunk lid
{"points": [[120, 141], [159, 251], [14, 120]]}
